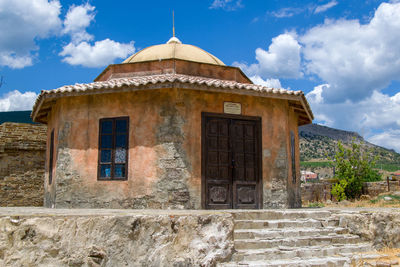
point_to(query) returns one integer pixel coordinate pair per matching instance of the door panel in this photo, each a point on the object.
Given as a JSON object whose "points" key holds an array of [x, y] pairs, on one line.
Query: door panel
{"points": [[218, 172], [245, 175], [231, 166], [219, 195]]}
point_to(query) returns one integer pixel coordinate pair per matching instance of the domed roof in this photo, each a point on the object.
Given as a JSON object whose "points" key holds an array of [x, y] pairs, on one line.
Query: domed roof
{"points": [[174, 49]]}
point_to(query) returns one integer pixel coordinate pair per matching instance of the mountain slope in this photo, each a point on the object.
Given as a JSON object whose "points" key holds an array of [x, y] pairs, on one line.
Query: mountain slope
{"points": [[16, 116], [318, 143]]}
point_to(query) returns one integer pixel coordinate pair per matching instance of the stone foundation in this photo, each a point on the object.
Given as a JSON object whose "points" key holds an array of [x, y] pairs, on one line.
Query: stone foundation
{"points": [[43, 237], [101, 237]]}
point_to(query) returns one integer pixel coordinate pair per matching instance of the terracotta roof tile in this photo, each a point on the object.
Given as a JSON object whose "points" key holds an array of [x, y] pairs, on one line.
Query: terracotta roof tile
{"points": [[117, 83]]}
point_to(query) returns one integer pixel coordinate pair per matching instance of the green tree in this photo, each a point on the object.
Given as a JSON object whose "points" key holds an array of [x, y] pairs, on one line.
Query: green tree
{"points": [[353, 167]]}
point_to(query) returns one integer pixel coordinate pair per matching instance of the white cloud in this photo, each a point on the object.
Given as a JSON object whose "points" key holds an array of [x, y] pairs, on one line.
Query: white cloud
{"points": [[325, 7], [355, 59], [79, 51], [76, 21], [16, 100], [228, 5], [377, 112], [22, 23], [100, 54], [282, 60], [272, 83], [390, 139], [286, 12], [14, 61]]}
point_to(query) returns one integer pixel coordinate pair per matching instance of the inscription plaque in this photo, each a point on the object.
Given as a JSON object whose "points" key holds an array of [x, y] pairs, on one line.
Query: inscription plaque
{"points": [[232, 108]]}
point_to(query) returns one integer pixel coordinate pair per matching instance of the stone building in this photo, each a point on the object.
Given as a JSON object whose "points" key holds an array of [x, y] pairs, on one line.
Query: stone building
{"points": [[172, 127]]}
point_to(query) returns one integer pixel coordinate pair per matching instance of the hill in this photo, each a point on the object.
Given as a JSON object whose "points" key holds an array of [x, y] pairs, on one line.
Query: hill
{"points": [[16, 116], [318, 144]]}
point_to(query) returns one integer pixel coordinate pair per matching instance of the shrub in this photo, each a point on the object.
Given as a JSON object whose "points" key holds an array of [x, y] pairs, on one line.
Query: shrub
{"points": [[338, 190], [353, 167]]}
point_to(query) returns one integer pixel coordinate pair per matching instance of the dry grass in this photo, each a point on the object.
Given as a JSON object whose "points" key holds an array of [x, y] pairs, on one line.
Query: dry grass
{"points": [[377, 202]]}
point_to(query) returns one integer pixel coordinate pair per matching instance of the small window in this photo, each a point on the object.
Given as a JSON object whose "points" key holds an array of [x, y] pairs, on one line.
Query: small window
{"points": [[51, 152], [113, 149], [293, 156]]}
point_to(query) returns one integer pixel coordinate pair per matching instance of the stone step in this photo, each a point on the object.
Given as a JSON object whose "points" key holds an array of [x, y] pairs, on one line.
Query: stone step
{"points": [[286, 232], [346, 259], [297, 262], [282, 252], [296, 241], [300, 223], [281, 214]]}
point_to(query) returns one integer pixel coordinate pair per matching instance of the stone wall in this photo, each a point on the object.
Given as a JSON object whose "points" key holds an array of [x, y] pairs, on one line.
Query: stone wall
{"points": [[376, 188], [100, 237], [277, 196], [315, 192], [380, 226], [56, 237], [22, 159]]}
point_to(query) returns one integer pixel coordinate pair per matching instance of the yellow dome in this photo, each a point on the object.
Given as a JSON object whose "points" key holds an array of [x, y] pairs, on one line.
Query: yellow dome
{"points": [[174, 49]]}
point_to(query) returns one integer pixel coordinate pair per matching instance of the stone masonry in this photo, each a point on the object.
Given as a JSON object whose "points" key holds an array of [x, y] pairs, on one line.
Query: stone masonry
{"points": [[276, 196], [376, 188], [100, 237], [22, 159], [226, 238], [315, 192]]}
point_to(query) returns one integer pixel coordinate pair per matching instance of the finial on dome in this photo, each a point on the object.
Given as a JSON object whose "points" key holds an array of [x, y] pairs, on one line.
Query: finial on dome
{"points": [[173, 39], [173, 24]]}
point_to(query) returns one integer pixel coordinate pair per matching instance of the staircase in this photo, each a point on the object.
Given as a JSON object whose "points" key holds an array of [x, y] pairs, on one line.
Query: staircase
{"points": [[293, 238]]}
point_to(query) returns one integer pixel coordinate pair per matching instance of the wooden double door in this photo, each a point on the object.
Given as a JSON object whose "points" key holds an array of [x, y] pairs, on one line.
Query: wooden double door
{"points": [[231, 162]]}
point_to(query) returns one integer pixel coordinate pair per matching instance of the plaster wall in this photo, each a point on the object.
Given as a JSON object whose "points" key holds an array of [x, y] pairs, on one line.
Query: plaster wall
{"points": [[293, 186], [164, 169]]}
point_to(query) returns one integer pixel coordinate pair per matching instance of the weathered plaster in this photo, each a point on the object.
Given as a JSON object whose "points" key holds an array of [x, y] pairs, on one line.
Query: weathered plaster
{"points": [[293, 188], [164, 169]]}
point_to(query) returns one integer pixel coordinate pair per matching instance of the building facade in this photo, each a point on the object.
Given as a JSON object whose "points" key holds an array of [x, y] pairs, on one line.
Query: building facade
{"points": [[172, 127]]}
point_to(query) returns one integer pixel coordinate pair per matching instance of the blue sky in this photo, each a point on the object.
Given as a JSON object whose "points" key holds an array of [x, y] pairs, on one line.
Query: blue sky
{"points": [[345, 55]]}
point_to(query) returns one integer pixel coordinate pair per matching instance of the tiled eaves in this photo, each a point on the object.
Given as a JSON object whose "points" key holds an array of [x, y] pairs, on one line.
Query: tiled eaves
{"points": [[168, 81]]}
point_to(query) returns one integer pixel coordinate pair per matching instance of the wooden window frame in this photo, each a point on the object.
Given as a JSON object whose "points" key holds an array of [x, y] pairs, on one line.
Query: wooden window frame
{"points": [[113, 148], [51, 157]]}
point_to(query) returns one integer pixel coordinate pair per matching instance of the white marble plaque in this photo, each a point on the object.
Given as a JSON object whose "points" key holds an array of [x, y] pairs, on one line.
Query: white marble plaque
{"points": [[232, 108]]}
